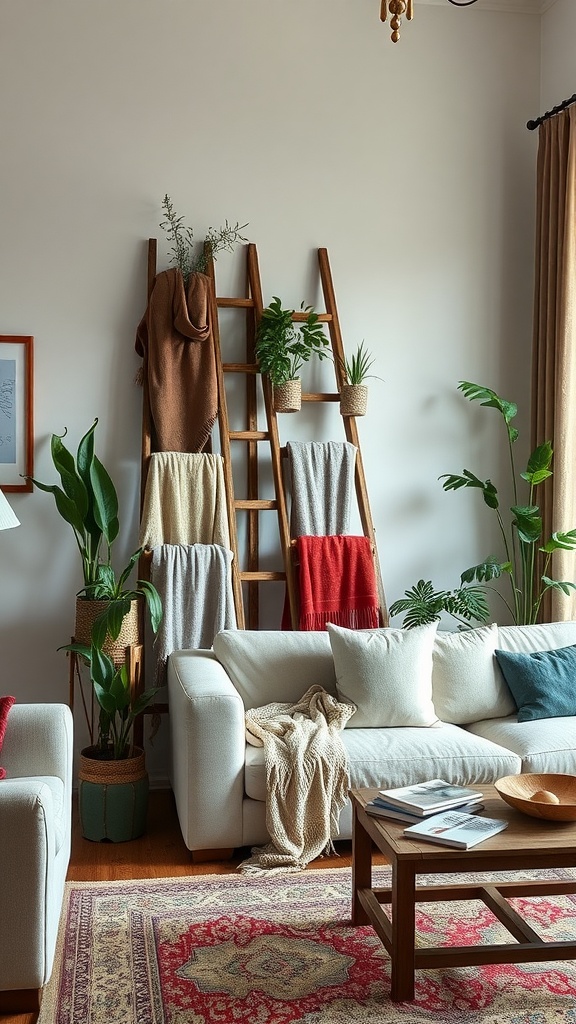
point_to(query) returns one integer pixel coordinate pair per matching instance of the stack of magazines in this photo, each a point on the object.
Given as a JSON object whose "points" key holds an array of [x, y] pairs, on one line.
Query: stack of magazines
{"points": [[437, 811]]}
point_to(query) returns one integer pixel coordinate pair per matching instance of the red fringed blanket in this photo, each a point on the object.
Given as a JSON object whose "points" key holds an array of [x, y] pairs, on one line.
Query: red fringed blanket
{"points": [[337, 582]]}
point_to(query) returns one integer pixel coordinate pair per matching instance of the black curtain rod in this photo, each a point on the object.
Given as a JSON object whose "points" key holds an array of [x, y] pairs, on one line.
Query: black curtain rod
{"points": [[531, 125]]}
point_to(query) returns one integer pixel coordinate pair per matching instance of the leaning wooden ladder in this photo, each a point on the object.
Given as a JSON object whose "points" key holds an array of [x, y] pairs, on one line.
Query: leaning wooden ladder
{"points": [[252, 436]]}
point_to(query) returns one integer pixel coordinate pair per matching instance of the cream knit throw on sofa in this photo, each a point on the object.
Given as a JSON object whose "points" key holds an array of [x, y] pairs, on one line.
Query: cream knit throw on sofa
{"points": [[306, 778]]}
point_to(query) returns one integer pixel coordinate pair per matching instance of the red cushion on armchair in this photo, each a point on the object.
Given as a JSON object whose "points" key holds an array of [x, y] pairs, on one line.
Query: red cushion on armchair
{"points": [[5, 705]]}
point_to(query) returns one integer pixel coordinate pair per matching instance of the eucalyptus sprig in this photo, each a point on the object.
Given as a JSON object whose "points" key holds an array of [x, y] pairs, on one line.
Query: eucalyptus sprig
{"points": [[183, 254]]}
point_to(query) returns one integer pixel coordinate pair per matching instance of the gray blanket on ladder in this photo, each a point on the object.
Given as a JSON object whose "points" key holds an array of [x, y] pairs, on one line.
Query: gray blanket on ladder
{"points": [[321, 483], [195, 584]]}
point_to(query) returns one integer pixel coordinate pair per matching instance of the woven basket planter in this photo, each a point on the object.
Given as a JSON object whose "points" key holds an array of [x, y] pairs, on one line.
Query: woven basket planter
{"points": [[88, 611], [287, 397], [353, 400], [112, 796]]}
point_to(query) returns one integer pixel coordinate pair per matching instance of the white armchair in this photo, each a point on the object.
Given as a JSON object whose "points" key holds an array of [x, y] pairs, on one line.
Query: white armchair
{"points": [[35, 834]]}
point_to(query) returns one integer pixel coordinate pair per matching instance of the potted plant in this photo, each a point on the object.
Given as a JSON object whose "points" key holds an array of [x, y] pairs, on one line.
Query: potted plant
{"points": [[282, 348], [113, 782], [527, 556], [354, 392], [106, 606]]}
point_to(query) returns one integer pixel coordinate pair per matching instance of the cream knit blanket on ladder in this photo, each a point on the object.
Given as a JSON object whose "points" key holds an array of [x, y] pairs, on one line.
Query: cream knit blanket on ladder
{"points": [[184, 501], [306, 778]]}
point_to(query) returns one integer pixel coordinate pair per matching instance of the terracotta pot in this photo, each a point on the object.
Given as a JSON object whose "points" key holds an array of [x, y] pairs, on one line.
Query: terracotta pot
{"points": [[287, 397], [353, 400]]}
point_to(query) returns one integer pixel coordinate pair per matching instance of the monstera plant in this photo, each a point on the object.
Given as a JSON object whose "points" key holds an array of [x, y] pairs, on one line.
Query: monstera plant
{"points": [[524, 561]]}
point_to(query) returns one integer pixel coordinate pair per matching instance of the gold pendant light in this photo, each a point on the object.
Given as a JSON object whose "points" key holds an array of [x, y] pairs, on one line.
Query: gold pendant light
{"points": [[398, 8]]}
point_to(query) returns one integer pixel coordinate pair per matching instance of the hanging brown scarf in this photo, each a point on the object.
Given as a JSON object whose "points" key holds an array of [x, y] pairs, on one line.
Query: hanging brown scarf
{"points": [[175, 339]]}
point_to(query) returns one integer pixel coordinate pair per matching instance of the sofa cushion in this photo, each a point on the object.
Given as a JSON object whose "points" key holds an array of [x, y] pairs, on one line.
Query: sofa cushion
{"points": [[545, 746], [274, 665], [543, 683], [386, 673], [542, 637], [401, 757], [467, 684]]}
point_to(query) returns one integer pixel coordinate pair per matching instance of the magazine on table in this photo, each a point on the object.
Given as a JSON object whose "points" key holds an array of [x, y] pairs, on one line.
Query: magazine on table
{"points": [[378, 808], [427, 797], [453, 828]]}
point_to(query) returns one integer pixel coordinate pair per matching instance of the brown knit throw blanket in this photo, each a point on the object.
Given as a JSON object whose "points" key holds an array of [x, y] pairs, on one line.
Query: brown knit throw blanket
{"points": [[175, 339]]}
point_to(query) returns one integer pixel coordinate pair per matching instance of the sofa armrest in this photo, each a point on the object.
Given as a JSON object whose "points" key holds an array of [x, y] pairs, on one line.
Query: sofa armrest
{"points": [[208, 746], [28, 890], [39, 741]]}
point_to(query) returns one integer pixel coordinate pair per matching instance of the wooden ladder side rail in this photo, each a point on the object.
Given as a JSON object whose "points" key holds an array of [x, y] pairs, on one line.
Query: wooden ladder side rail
{"points": [[224, 431], [350, 427], [275, 454]]}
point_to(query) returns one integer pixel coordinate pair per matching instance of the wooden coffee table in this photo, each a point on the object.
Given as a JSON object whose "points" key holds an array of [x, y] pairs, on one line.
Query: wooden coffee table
{"points": [[527, 844]]}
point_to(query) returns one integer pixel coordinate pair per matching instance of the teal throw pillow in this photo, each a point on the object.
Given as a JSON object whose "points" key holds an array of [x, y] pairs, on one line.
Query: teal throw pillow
{"points": [[543, 683]]}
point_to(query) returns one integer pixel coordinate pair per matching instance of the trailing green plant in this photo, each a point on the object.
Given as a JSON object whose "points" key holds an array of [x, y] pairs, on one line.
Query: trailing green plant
{"points": [[283, 346], [527, 556], [185, 254], [119, 706], [356, 368], [87, 500]]}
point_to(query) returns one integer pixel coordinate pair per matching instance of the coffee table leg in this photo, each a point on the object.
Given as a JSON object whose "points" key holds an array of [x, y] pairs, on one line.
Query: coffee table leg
{"points": [[403, 931], [361, 868]]}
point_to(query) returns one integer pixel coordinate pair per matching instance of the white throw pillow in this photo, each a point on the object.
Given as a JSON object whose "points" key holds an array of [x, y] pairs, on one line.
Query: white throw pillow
{"points": [[467, 683], [387, 673]]}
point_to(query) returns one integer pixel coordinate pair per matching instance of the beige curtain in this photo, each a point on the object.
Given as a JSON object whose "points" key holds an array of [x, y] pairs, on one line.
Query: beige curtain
{"points": [[554, 343]]}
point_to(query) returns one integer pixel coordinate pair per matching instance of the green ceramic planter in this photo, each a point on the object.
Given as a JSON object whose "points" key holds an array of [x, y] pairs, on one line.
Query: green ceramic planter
{"points": [[112, 797]]}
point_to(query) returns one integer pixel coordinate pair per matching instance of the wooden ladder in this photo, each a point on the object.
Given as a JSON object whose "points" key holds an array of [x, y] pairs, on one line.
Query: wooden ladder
{"points": [[253, 575], [252, 436]]}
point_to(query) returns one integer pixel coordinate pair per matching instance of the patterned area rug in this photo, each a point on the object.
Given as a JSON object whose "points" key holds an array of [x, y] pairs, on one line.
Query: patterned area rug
{"points": [[227, 949]]}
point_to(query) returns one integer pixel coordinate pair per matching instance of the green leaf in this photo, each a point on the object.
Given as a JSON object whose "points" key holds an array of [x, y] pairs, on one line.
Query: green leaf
{"points": [[454, 482], [490, 569], [468, 603], [489, 398], [560, 541], [565, 586], [105, 501], [528, 522], [538, 468]]}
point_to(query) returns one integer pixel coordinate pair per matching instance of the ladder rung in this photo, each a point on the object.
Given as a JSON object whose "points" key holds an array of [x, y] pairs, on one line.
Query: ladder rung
{"points": [[312, 396], [263, 577], [235, 303], [261, 504], [240, 367], [248, 435], [299, 318]]}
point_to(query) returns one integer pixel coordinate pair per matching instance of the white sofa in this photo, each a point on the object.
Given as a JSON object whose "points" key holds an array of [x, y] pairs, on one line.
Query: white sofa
{"points": [[35, 836], [474, 735]]}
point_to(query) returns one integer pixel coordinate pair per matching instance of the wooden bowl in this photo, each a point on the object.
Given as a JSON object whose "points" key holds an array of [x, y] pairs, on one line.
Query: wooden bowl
{"points": [[541, 796]]}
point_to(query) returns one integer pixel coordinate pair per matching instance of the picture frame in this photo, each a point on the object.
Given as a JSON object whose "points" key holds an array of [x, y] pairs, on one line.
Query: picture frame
{"points": [[16, 412]]}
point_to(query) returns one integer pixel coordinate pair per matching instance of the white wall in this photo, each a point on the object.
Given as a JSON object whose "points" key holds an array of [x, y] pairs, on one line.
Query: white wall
{"points": [[558, 74], [411, 163]]}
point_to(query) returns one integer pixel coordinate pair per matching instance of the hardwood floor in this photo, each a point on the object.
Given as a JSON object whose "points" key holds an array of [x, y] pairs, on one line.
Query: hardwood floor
{"points": [[159, 853]]}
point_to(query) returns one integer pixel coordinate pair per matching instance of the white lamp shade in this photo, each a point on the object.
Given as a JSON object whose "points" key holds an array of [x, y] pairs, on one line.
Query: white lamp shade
{"points": [[7, 517]]}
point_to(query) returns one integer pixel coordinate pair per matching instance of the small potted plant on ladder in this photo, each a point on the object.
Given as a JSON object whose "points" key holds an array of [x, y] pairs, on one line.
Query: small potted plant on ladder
{"points": [[282, 348], [354, 391]]}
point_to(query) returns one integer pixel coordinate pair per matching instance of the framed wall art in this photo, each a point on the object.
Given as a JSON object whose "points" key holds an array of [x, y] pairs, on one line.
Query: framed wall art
{"points": [[16, 412]]}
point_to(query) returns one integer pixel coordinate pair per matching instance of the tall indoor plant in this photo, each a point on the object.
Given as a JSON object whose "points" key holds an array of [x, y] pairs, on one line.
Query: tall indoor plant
{"points": [[526, 555], [282, 348], [112, 778], [86, 499]]}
